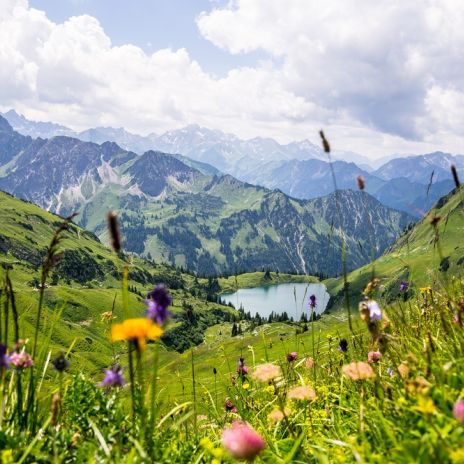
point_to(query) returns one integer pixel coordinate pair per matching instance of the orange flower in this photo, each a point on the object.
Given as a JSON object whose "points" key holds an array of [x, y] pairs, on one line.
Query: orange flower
{"points": [[137, 330]]}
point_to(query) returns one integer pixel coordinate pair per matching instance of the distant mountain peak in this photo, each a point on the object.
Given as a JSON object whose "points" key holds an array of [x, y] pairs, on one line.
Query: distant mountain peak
{"points": [[5, 126]]}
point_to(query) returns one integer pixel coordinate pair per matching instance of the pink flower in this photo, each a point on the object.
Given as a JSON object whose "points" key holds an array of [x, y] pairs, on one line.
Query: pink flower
{"points": [[302, 393], [242, 441], [21, 360], [267, 372], [458, 411], [309, 363], [373, 356]]}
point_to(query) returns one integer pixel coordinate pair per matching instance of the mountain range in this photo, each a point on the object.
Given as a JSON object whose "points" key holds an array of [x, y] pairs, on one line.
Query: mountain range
{"points": [[179, 212], [300, 169]]}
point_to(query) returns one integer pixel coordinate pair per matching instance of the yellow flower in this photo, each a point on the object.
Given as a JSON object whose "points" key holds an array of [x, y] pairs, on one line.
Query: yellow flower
{"points": [[137, 330], [217, 452], [270, 389], [246, 386], [425, 290], [457, 456], [425, 405]]}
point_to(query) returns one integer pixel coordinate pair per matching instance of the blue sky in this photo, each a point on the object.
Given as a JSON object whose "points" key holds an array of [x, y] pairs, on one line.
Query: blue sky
{"points": [[152, 25], [386, 81]]}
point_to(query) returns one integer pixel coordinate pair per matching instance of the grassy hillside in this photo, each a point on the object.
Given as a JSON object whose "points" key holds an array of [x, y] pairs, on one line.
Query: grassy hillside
{"points": [[85, 283], [423, 256]]}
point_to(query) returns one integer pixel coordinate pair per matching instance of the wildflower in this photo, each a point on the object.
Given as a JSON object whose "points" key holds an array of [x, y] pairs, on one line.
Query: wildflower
{"points": [[136, 330], [403, 369], [113, 377], [113, 227], [4, 358], [454, 172], [325, 142], [21, 360], [358, 371], [267, 372], [458, 411], [425, 405], [312, 302], [404, 286], [276, 416], [229, 406], [158, 302], [75, 439], [270, 389], [309, 363], [343, 345], [106, 316], [371, 286], [242, 441], [242, 370], [302, 393], [60, 363], [434, 220], [373, 356], [375, 313], [246, 386], [419, 386], [390, 372], [292, 356], [425, 290]]}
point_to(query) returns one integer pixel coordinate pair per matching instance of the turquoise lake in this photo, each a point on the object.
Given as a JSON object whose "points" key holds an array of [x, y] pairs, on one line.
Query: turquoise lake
{"points": [[279, 298]]}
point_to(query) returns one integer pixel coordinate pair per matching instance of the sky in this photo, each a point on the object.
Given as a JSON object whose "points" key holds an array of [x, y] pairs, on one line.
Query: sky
{"points": [[379, 77]]}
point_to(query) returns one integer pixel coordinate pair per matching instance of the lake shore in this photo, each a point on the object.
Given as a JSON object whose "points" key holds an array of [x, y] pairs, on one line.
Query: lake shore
{"points": [[258, 279]]}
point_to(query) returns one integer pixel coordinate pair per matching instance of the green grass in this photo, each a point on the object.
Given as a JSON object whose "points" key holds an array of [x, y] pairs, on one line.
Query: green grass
{"points": [[401, 413]]}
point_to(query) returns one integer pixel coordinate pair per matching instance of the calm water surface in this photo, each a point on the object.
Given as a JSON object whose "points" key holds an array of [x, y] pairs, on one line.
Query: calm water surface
{"points": [[279, 298]]}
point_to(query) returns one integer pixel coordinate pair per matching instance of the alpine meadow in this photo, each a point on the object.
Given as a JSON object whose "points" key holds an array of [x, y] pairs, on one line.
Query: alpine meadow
{"points": [[231, 231]]}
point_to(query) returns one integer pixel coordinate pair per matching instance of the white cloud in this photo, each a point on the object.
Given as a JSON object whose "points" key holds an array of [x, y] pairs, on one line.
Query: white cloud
{"points": [[374, 73], [376, 61]]}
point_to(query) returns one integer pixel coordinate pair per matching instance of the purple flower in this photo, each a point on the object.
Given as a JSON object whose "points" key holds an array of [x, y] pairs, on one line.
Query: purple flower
{"points": [[312, 302], [229, 406], [4, 358], [390, 372], [157, 304], [241, 368], [375, 313], [404, 286], [113, 377], [21, 360], [292, 356], [343, 345], [60, 363]]}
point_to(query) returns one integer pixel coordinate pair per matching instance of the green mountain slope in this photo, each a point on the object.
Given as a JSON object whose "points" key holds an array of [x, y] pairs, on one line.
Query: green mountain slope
{"points": [[86, 283], [417, 256], [176, 213]]}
